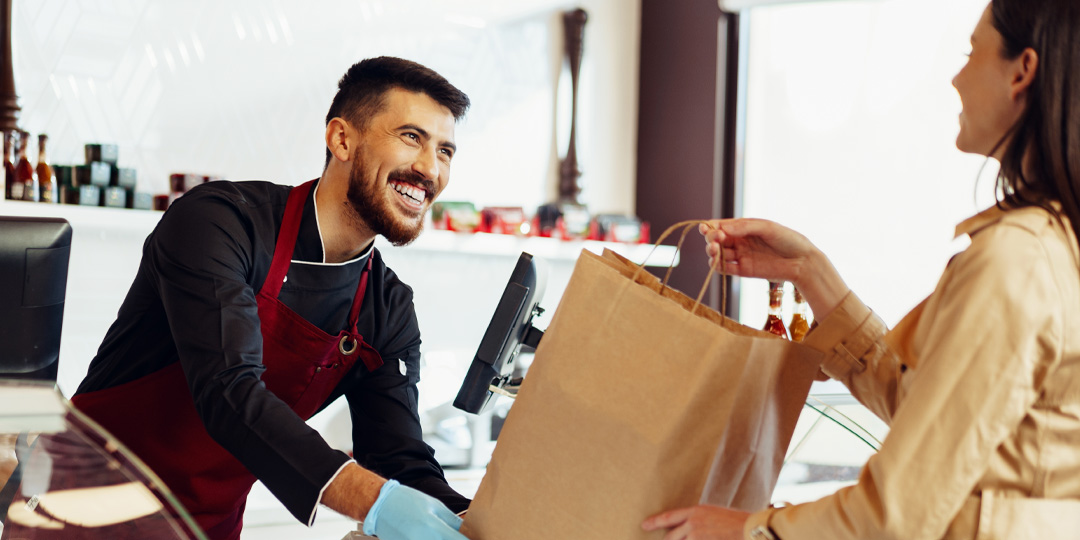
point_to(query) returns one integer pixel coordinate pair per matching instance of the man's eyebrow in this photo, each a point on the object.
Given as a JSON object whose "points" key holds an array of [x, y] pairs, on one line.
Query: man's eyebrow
{"points": [[423, 133]]}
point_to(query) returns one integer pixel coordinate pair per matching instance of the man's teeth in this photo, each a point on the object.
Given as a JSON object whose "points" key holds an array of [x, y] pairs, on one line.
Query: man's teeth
{"points": [[411, 192]]}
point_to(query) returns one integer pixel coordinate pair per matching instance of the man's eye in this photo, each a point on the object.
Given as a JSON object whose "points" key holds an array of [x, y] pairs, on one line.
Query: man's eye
{"points": [[413, 136], [447, 152]]}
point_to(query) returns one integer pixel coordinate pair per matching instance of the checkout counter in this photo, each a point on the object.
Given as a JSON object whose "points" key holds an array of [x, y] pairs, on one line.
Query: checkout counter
{"points": [[62, 476]]}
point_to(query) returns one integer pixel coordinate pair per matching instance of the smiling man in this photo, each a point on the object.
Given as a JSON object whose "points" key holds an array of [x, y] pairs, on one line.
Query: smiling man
{"points": [[256, 305]]}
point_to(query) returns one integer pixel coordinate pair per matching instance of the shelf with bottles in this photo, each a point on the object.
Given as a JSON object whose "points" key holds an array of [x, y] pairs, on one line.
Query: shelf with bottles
{"points": [[490, 244], [556, 231], [143, 221]]}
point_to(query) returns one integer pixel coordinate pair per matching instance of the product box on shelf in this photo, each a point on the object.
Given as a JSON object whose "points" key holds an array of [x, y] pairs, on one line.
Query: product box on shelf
{"points": [[455, 216], [124, 177], [107, 153], [115, 197], [141, 201], [504, 220], [97, 173]]}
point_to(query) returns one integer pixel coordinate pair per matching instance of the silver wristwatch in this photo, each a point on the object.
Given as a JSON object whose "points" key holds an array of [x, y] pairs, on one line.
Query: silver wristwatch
{"points": [[763, 532]]}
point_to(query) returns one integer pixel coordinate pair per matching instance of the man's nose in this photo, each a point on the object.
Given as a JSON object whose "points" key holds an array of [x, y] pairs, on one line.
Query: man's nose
{"points": [[427, 164]]}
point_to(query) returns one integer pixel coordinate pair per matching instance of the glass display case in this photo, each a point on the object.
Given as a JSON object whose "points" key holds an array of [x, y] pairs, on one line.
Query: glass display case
{"points": [[833, 439], [65, 477]]}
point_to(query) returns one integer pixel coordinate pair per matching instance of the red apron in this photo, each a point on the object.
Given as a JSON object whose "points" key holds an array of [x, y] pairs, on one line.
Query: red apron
{"points": [[156, 418]]}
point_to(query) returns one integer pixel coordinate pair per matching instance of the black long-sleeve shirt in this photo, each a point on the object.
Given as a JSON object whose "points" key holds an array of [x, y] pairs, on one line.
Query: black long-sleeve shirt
{"points": [[193, 301]]}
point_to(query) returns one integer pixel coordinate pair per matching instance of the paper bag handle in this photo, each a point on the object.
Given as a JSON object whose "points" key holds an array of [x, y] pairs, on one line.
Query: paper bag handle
{"points": [[718, 265]]}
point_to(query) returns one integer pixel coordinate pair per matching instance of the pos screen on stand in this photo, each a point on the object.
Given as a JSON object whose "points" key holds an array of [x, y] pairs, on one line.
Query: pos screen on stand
{"points": [[509, 332], [34, 255]]}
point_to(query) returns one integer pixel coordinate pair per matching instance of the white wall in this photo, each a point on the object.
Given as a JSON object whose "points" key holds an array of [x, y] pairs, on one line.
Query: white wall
{"points": [[239, 88]]}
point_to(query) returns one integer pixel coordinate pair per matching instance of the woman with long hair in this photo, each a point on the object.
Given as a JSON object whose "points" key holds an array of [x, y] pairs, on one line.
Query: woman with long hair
{"points": [[980, 383]]}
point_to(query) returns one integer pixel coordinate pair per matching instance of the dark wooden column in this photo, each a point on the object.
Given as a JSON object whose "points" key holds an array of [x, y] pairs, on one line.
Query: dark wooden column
{"points": [[686, 126], [574, 32], [9, 107]]}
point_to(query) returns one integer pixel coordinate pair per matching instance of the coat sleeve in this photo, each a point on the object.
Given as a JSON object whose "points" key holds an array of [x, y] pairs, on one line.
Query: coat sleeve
{"points": [[387, 436], [202, 256], [852, 340], [992, 330]]}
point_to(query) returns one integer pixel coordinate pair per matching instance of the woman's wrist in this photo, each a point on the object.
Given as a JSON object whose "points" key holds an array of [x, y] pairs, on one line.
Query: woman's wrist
{"points": [[821, 285]]}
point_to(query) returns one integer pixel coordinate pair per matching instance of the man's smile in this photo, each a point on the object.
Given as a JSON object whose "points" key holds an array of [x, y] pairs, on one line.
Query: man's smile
{"points": [[413, 195]]}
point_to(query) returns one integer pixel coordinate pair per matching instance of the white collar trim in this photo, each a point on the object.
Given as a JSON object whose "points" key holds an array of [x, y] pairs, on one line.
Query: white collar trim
{"points": [[322, 244]]}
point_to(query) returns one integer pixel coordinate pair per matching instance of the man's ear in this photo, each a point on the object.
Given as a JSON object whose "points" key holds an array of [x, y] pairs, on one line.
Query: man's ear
{"points": [[339, 139], [1026, 66]]}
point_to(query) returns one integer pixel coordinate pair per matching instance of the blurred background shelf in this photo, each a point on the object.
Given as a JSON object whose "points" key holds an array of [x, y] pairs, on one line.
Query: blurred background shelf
{"points": [[545, 248]]}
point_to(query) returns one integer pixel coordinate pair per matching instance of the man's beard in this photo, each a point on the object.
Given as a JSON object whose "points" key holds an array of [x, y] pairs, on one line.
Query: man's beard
{"points": [[372, 205]]}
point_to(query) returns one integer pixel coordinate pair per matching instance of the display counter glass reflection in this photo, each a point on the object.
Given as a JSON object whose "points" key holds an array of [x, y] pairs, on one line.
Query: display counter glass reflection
{"points": [[65, 477]]}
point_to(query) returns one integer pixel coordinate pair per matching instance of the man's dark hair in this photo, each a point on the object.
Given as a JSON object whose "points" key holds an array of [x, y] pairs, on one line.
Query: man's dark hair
{"points": [[362, 90]]}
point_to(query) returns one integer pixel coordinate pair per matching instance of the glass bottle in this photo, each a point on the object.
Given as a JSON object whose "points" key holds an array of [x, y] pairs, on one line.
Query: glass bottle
{"points": [[9, 165], [24, 171], [49, 193], [800, 323], [774, 323]]}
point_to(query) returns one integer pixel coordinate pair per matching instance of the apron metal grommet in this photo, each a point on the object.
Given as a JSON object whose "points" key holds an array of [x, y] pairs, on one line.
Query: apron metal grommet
{"points": [[351, 349]]}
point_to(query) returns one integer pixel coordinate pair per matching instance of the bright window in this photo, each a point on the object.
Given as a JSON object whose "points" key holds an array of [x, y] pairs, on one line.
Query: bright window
{"points": [[851, 122]]}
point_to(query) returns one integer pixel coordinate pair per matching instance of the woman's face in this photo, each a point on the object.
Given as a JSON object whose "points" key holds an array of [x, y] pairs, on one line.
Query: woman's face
{"points": [[991, 104]]}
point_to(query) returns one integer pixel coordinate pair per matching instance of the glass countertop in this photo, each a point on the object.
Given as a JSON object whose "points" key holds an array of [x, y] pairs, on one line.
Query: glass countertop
{"points": [[63, 476]]}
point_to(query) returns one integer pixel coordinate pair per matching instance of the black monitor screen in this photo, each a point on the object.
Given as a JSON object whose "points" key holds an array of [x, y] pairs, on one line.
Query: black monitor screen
{"points": [[34, 255], [509, 332]]}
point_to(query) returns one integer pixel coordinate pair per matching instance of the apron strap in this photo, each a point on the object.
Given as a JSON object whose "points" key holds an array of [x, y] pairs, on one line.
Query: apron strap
{"points": [[290, 227]]}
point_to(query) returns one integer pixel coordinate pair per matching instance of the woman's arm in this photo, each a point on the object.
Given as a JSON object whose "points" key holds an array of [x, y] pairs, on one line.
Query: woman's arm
{"points": [[986, 339]]}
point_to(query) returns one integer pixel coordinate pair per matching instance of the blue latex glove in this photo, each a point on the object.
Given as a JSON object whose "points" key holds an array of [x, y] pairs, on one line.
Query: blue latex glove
{"points": [[403, 513]]}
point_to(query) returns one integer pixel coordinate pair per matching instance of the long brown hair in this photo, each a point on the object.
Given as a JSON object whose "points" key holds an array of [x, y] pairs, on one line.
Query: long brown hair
{"points": [[1041, 160]]}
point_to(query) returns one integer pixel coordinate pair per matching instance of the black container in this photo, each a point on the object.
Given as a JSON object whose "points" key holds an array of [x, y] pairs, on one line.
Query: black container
{"points": [[97, 173], [69, 194], [123, 177], [64, 174], [102, 152]]}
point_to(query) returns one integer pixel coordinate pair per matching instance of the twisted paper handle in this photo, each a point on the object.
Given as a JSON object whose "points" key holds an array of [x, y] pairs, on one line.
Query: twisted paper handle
{"points": [[718, 264]]}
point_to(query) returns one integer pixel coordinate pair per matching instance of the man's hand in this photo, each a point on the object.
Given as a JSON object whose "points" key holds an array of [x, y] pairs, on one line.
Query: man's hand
{"points": [[701, 522], [403, 513]]}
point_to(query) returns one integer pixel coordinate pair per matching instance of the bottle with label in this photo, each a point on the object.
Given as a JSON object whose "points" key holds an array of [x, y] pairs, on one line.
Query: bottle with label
{"points": [[24, 171], [800, 322], [9, 165], [46, 181], [774, 323]]}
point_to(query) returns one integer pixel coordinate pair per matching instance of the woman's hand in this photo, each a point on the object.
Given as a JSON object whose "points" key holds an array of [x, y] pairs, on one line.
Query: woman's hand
{"points": [[764, 249], [702, 522]]}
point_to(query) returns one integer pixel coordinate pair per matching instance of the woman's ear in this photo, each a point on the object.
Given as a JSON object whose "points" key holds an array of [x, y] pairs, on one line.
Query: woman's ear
{"points": [[1025, 67], [339, 139]]}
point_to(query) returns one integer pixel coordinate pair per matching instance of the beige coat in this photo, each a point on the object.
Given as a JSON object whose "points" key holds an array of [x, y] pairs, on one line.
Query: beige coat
{"points": [[980, 385]]}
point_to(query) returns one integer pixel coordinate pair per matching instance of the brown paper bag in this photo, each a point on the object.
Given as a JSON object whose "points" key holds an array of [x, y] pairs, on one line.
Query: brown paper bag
{"points": [[630, 402]]}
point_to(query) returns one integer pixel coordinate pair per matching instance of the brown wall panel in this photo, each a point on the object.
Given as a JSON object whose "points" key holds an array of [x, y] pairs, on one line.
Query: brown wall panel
{"points": [[683, 163]]}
